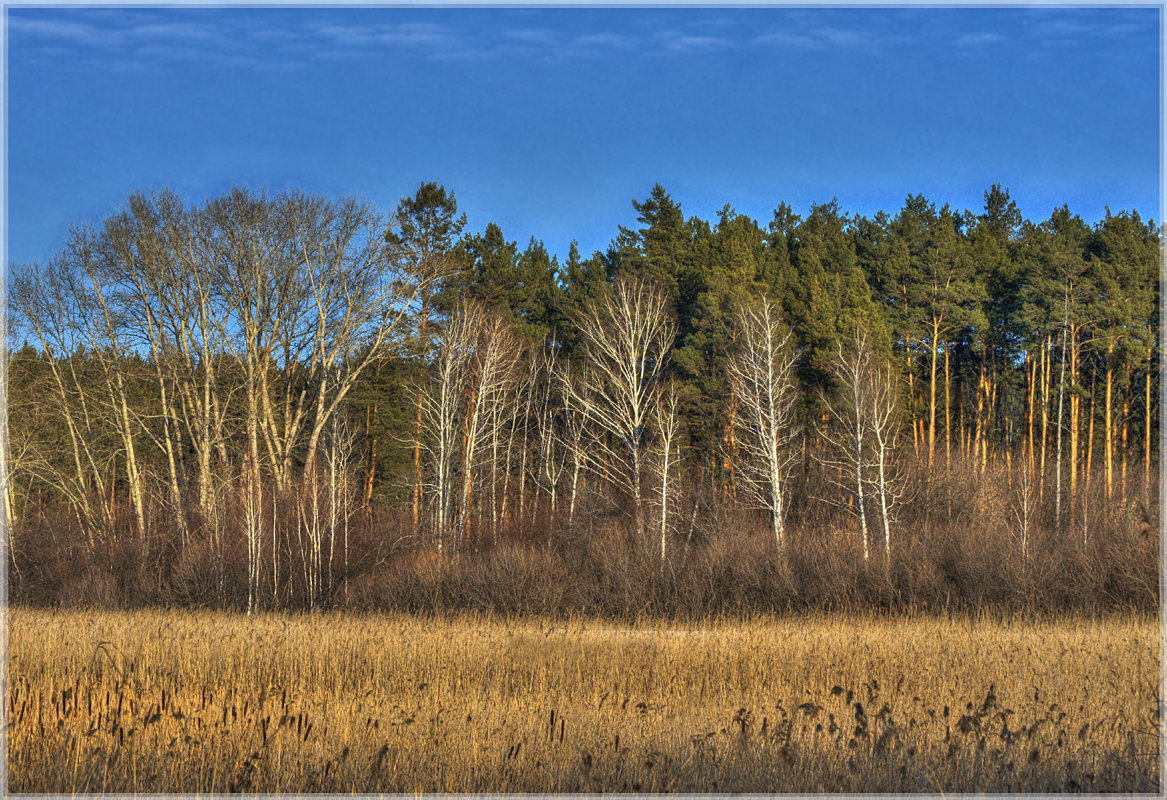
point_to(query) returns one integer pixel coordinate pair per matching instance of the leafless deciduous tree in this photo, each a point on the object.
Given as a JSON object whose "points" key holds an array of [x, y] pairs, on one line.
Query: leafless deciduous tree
{"points": [[292, 297], [762, 373], [667, 457], [323, 510], [550, 417], [6, 485], [49, 301], [627, 335], [461, 413], [315, 299], [573, 437], [1024, 507], [865, 434], [150, 252]]}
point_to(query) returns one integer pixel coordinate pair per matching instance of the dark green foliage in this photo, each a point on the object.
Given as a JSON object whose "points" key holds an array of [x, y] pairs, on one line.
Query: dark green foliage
{"points": [[422, 234], [426, 225], [661, 250]]}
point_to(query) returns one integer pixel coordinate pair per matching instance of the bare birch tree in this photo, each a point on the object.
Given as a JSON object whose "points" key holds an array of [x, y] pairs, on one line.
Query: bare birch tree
{"points": [[314, 299], [550, 415], [149, 251], [865, 434], [489, 385], [472, 375], [48, 299], [323, 509], [573, 437], [885, 430], [762, 372], [627, 335], [666, 461], [105, 326], [1024, 507], [439, 401]]}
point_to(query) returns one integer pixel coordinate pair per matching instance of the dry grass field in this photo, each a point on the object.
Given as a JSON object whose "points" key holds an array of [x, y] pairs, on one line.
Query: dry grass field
{"points": [[166, 702]]}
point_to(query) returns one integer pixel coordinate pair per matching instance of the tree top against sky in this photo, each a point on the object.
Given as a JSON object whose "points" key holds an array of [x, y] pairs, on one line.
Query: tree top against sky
{"points": [[549, 121]]}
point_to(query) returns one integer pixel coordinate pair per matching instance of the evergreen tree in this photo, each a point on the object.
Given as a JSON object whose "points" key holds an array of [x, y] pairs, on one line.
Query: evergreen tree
{"points": [[993, 243], [733, 255], [422, 235], [830, 290], [1122, 260], [660, 250], [583, 282], [538, 316], [487, 273]]}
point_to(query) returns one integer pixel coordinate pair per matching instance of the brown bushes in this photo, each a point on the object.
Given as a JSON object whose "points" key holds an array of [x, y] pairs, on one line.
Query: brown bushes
{"points": [[1102, 556]]}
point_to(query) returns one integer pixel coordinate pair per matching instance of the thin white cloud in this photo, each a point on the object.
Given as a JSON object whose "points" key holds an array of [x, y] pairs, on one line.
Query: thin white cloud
{"points": [[179, 30], [846, 39], [252, 39], [134, 38], [978, 39], [224, 40], [614, 41], [1073, 26], [63, 30], [675, 42], [553, 47], [533, 36], [1064, 27], [793, 40], [705, 23], [824, 38], [423, 36]]}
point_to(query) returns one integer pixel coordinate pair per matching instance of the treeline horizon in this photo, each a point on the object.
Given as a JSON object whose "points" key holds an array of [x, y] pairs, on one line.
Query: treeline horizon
{"points": [[284, 402]]}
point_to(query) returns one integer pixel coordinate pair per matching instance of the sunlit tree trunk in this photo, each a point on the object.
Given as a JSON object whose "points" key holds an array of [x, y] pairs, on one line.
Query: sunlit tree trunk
{"points": [[1148, 418], [936, 322], [1030, 394], [1061, 395], [627, 336], [1045, 407], [1088, 474], [762, 368], [1075, 403], [418, 483], [574, 424], [885, 430], [668, 424], [1126, 408], [1108, 404], [947, 411]]}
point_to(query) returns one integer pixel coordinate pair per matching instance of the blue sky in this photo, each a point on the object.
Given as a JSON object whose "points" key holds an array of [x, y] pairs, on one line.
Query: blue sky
{"points": [[551, 121]]}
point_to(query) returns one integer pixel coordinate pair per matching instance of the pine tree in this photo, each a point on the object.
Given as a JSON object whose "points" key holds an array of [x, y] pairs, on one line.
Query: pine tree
{"points": [[422, 235]]}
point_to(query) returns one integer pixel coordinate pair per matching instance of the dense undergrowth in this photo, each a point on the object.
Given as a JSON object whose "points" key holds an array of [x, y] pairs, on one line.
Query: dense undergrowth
{"points": [[728, 564]]}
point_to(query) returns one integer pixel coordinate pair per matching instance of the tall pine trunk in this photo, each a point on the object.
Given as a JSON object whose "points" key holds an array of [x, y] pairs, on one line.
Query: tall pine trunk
{"points": [[947, 411], [1075, 404], [1148, 410], [932, 392], [1046, 370], [1109, 404], [1058, 464], [1030, 391]]}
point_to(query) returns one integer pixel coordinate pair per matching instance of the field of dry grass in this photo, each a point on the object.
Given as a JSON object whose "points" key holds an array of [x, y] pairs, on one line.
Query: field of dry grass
{"points": [[167, 701]]}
